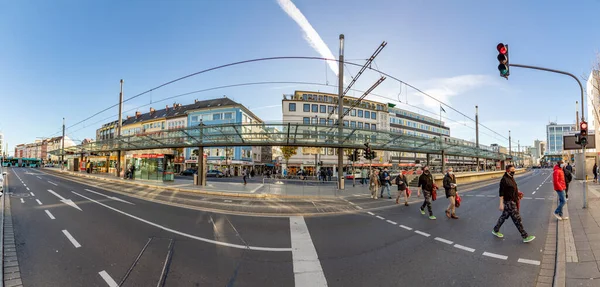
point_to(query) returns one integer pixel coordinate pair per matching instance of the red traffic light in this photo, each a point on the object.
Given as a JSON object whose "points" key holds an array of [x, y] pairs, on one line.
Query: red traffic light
{"points": [[501, 48], [583, 126]]}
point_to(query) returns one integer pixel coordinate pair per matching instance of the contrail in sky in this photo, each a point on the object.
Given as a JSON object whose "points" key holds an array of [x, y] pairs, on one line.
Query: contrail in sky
{"points": [[310, 34]]}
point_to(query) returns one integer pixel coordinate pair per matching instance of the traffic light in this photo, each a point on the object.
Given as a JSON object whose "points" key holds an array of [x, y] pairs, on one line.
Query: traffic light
{"points": [[583, 132], [355, 155], [503, 67]]}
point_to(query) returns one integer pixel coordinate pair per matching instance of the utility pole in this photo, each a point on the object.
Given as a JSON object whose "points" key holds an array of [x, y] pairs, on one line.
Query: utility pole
{"points": [[62, 149], [509, 147], [119, 127], [576, 115], [341, 114], [477, 134], [519, 150]]}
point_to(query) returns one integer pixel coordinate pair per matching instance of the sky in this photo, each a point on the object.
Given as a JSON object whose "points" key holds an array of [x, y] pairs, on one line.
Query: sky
{"points": [[64, 59]]}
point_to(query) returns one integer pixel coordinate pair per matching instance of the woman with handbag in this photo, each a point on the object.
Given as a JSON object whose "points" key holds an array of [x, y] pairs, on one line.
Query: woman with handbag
{"points": [[451, 193], [374, 183], [402, 184]]}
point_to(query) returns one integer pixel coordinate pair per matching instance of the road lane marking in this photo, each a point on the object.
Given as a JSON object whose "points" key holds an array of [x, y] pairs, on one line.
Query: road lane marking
{"points": [[464, 248], [358, 207], [70, 237], [542, 198], [108, 279], [443, 240], [380, 217], [22, 201], [480, 195], [38, 201], [534, 191], [27, 188], [491, 196], [307, 267], [405, 227], [110, 197], [351, 202], [371, 213], [277, 249], [422, 233], [526, 197], [227, 200], [65, 201], [38, 177], [52, 183], [32, 194], [494, 255], [25, 185], [392, 222], [527, 261], [49, 214]]}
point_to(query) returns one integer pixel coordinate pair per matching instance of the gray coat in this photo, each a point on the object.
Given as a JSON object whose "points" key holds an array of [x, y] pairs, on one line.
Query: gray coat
{"points": [[448, 180]]}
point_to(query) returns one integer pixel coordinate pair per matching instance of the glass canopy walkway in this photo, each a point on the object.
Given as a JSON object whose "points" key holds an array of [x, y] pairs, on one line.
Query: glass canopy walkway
{"points": [[287, 134]]}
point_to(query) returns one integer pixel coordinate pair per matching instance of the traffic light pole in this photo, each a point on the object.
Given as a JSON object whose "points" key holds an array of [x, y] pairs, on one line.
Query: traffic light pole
{"points": [[582, 115], [340, 114]]}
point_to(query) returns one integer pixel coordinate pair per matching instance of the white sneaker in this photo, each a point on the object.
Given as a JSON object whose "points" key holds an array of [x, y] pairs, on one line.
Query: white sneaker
{"points": [[558, 216], [565, 218]]}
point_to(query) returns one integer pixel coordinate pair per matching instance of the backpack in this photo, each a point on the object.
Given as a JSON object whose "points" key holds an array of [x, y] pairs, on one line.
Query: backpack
{"points": [[568, 176]]}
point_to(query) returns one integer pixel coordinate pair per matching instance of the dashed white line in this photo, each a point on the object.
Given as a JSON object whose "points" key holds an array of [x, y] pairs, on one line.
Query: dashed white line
{"points": [[491, 196], [405, 227], [358, 207], [527, 261], [443, 240], [351, 202], [534, 191], [32, 193], [227, 200], [526, 197], [108, 279], [380, 217], [52, 183], [371, 213], [38, 177], [38, 201], [464, 248], [494, 255], [422, 233], [392, 222], [25, 185], [542, 198], [27, 188], [49, 214], [22, 201], [480, 195], [73, 241]]}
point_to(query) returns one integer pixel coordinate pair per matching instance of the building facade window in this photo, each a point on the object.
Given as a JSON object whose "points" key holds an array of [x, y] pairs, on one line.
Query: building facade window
{"points": [[360, 125], [306, 108], [322, 121], [367, 114], [360, 113], [367, 126], [353, 113], [306, 120], [345, 123], [292, 107], [353, 124], [373, 126], [323, 109], [373, 115], [315, 108]]}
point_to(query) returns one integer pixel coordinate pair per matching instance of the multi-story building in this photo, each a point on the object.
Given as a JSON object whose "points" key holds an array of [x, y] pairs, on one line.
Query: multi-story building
{"points": [[315, 108], [107, 131], [19, 150], [2, 151], [554, 137]]}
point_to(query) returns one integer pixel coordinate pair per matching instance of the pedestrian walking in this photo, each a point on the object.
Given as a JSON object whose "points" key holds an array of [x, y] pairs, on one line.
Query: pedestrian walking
{"points": [[384, 178], [595, 172], [560, 185], [451, 193], [402, 184], [374, 183], [244, 175], [329, 174], [568, 179], [509, 196], [426, 185]]}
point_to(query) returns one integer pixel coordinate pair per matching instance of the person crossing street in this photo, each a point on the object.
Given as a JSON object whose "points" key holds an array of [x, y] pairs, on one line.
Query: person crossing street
{"points": [[384, 179], [426, 185], [402, 184], [558, 179], [450, 187], [509, 195]]}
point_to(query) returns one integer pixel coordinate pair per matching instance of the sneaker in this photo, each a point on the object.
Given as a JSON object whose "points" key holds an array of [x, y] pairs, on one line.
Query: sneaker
{"points": [[447, 213], [432, 217], [558, 216], [405, 203], [390, 197], [422, 211], [528, 238], [565, 218], [498, 234], [381, 196], [397, 201], [453, 216]]}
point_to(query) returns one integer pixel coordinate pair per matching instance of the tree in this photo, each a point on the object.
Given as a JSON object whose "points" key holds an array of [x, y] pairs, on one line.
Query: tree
{"points": [[287, 152]]}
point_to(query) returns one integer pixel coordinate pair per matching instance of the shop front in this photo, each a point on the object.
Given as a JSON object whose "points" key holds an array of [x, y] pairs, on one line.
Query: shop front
{"points": [[159, 167]]}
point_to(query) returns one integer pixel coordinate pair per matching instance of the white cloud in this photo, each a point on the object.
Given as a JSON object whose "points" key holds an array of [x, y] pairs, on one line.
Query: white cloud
{"points": [[445, 88], [310, 34]]}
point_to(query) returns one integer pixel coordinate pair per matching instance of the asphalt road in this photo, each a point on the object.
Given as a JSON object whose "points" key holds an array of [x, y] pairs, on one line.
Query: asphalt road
{"points": [[102, 237]]}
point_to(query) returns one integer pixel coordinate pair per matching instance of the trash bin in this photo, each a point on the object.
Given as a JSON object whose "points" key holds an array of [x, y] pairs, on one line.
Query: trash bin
{"points": [[195, 179]]}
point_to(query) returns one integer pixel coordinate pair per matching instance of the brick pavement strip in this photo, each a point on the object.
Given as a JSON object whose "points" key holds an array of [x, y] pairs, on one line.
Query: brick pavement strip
{"points": [[12, 274], [548, 264]]}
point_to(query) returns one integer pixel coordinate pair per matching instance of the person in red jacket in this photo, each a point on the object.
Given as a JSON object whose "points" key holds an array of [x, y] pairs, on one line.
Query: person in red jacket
{"points": [[558, 178]]}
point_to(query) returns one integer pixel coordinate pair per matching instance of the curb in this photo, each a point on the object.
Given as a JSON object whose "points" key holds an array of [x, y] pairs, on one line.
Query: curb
{"points": [[552, 272]]}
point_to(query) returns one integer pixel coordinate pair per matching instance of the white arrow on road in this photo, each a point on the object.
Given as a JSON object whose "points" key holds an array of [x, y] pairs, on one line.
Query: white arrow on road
{"points": [[110, 197], [65, 201]]}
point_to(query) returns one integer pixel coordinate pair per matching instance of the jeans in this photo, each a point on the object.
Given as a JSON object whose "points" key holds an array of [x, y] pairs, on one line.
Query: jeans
{"points": [[386, 186], [510, 210], [427, 202], [561, 202]]}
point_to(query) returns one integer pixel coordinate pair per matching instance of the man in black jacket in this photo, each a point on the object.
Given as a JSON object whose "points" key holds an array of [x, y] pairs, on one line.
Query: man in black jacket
{"points": [[426, 184], [509, 195], [568, 179]]}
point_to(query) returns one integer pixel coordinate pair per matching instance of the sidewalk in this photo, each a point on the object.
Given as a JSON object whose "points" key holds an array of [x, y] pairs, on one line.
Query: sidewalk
{"points": [[582, 236]]}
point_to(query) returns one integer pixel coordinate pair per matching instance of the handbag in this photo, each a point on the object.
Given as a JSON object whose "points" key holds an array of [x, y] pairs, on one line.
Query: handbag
{"points": [[457, 201], [434, 192], [408, 192]]}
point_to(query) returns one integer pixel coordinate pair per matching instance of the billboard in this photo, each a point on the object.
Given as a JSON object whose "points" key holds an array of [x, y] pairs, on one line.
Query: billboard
{"points": [[569, 142]]}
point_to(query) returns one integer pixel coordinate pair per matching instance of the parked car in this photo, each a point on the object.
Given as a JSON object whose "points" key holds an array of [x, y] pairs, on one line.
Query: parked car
{"points": [[189, 171], [214, 173]]}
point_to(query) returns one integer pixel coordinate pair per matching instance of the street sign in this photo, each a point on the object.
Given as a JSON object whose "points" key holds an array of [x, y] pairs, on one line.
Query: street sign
{"points": [[569, 142]]}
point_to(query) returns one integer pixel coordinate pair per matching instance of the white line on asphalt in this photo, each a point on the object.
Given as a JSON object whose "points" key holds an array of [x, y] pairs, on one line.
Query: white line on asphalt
{"points": [[38, 177], [534, 191], [227, 200], [392, 222], [526, 197], [371, 213], [27, 188], [480, 195], [22, 201], [527, 261], [380, 217], [182, 233], [491, 196], [351, 202], [405, 227], [540, 198], [25, 185], [38, 201], [73, 241], [494, 255], [443, 240], [49, 214], [110, 197], [52, 183], [358, 195], [422, 233], [464, 248], [469, 195], [32, 193], [108, 279], [254, 190], [307, 267], [358, 207]]}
